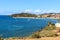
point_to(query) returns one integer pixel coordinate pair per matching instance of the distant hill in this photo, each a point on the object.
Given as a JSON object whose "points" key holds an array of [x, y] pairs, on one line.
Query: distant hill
{"points": [[24, 15], [45, 15]]}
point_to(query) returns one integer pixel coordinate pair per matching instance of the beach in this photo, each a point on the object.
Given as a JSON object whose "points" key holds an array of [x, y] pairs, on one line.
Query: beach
{"points": [[36, 17]]}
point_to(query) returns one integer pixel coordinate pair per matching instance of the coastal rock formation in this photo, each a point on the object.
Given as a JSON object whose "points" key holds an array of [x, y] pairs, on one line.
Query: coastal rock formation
{"points": [[49, 31]]}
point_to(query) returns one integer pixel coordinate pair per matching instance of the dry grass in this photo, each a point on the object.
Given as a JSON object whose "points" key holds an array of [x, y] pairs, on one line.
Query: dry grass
{"points": [[43, 38], [50, 38]]}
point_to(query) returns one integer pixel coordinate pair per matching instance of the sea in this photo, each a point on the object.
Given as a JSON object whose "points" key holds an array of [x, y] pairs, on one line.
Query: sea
{"points": [[21, 27]]}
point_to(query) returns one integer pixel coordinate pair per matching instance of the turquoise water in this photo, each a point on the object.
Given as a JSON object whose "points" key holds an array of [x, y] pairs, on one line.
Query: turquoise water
{"points": [[20, 27]]}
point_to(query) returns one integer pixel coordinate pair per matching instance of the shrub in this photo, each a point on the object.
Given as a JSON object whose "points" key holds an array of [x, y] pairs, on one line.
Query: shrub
{"points": [[50, 26], [36, 36]]}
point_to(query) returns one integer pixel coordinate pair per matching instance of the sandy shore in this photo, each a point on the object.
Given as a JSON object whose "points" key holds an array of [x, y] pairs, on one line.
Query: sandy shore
{"points": [[36, 18], [43, 38], [28, 17]]}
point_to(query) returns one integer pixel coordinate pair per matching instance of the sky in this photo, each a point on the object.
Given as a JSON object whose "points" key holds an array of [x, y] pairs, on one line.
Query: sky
{"points": [[34, 6]]}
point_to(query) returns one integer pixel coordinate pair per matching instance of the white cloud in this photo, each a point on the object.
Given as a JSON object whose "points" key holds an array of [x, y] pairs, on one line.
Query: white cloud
{"points": [[50, 11], [38, 11], [57, 11], [41, 11], [28, 10], [32, 11]]}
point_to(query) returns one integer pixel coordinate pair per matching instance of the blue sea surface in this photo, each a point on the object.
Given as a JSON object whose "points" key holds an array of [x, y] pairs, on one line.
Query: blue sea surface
{"points": [[21, 27]]}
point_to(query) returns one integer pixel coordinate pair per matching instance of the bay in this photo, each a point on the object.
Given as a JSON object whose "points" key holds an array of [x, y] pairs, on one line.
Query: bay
{"points": [[21, 27]]}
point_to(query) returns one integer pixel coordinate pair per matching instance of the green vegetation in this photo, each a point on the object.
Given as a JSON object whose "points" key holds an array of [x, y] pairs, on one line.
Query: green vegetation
{"points": [[50, 26], [45, 15], [46, 32], [1, 38], [24, 15]]}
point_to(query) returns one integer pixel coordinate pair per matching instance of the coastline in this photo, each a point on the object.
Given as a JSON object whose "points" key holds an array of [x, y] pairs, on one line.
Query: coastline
{"points": [[36, 17], [28, 17]]}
